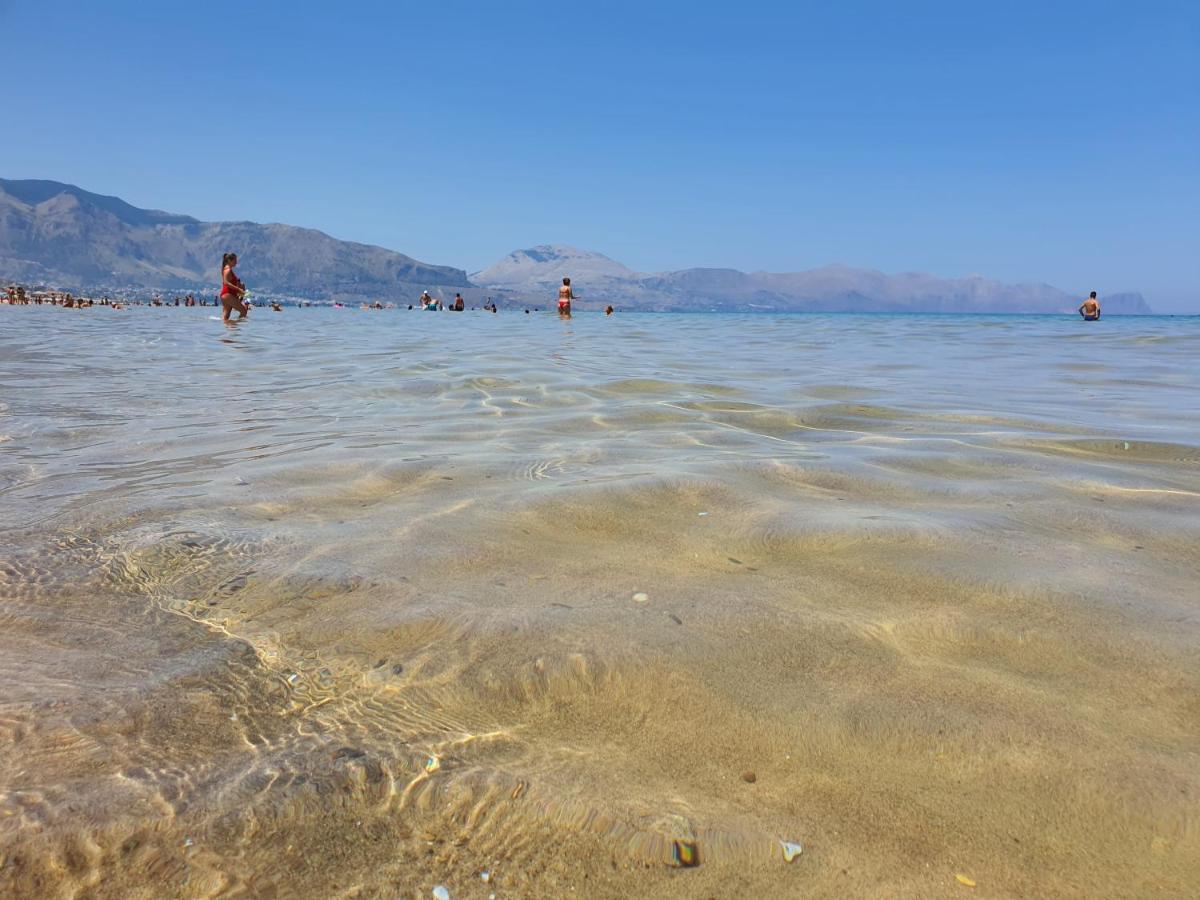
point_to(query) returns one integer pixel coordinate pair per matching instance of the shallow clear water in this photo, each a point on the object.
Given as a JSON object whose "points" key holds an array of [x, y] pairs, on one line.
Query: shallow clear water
{"points": [[931, 579]]}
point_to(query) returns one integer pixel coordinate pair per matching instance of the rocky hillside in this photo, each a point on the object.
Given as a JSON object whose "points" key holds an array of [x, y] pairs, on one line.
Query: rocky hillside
{"points": [[61, 235]]}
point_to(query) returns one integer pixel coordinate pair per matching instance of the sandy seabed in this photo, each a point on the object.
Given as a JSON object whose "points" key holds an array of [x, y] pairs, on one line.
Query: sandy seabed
{"points": [[605, 637]]}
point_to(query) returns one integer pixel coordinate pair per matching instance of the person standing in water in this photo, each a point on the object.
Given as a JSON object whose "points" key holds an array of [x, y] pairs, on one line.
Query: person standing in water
{"points": [[565, 296], [1090, 308], [233, 292]]}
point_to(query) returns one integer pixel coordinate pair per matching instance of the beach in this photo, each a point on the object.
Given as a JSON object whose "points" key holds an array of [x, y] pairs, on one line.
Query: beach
{"points": [[339, 603]]}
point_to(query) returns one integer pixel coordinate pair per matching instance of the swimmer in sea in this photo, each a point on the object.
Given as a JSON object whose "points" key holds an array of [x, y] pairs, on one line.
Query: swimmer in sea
{"points": [[608, 310], [1090, 308], [458, 304], [565, 296], [233, 292]]}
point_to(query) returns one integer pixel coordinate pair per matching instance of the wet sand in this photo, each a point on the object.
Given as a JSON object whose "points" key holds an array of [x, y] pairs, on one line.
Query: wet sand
{"points": [[344, 612]]}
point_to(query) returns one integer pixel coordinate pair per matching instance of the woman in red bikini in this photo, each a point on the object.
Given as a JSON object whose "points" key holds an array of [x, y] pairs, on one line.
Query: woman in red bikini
{"points": [[233, 292], [565, 296]]}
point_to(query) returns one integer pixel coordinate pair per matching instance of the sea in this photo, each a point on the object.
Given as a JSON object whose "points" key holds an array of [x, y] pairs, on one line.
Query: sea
{"points": [[362, 603]]}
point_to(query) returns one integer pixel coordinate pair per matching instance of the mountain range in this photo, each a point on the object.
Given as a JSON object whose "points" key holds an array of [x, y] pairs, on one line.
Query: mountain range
{"points": [[538, 272], [62, 236]]}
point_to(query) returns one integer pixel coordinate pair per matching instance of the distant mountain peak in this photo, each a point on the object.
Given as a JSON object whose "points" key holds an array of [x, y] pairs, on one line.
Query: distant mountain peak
{"points": [[558, 251], [547, 264], [35, 192]]}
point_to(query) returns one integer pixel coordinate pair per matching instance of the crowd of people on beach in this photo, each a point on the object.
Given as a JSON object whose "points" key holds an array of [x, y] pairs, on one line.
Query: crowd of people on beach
{"points": [[18, 295], [234, 297]]}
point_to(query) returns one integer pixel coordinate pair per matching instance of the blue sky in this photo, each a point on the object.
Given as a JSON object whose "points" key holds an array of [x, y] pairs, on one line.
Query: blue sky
{"points": [[1056, 142]]}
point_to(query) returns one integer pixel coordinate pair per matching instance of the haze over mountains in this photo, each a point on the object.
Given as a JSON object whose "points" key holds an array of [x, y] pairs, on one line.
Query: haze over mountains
{"points": [[62, 236], [539, 270]]}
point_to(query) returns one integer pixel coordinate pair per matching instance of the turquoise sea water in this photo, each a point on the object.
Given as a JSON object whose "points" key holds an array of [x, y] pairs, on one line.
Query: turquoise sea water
{"points": [[922, 575]]}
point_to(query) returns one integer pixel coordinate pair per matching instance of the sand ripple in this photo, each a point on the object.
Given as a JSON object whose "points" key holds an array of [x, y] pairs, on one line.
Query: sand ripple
{"points": [[598, 607]]}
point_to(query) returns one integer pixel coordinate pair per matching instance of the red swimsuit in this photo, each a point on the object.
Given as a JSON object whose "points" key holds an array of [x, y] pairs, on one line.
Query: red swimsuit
{"points": [[228, 285]]}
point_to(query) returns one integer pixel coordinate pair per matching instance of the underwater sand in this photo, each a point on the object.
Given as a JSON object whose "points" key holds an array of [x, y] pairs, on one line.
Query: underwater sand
{"points": [[353, 604]]}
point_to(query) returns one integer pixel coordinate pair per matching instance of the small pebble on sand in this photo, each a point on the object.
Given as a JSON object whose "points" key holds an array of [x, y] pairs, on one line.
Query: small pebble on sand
{"points": [[791, 850], [640, 597], [749, 777], [686, 854]]}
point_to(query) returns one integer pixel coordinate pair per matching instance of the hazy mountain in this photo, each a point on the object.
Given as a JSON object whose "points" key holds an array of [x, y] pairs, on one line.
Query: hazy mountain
{"points": [[62, 235], [543, 267], [535, 274]]}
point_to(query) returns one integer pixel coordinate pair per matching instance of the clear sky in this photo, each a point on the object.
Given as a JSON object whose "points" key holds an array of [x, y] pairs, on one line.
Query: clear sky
{"points": [[1048, 141]]}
